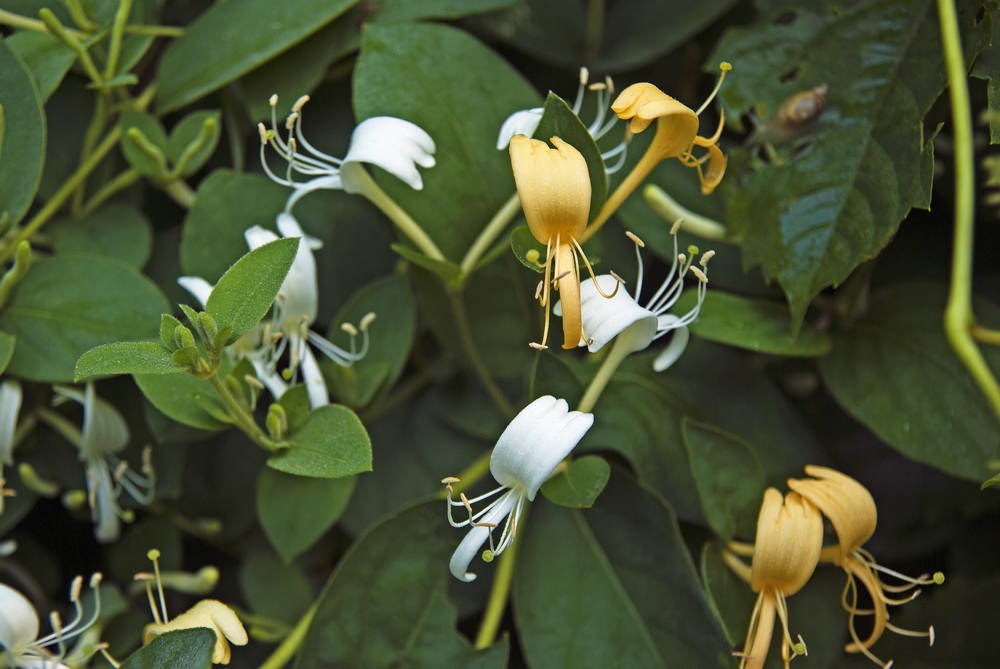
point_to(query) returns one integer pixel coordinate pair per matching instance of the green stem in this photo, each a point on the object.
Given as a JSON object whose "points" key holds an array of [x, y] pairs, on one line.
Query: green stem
{"points": [[155, 31], [986, 335], [283, 653], [241, 418], [620, 350], [60, 424], [472, 353], [492, 230], [17, 21], [500, 592], [180, 193], [117, 30], [670, 210], [958, 316], [595, 28], [123, 180], [64, 193], [90, 138]]}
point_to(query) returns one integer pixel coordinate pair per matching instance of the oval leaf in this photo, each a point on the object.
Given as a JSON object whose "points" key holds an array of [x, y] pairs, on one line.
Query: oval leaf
{"points": [[331, 444], [130, 357], [580, 484], [190, 648], [22, 136], [184, 398]]}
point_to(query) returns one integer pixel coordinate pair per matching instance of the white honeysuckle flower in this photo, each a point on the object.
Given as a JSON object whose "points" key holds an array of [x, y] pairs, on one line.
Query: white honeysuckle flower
{"points": [[622, 316], [20, 645], [104, 434], [525, 121], [395, 145], [10, 404], [530, 448]]}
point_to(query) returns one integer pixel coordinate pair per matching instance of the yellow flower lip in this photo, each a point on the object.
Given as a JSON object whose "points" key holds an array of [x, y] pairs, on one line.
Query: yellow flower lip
{"points": [[677, 124], [789, 541], [847, 503], [211, 614], [554, 187]]}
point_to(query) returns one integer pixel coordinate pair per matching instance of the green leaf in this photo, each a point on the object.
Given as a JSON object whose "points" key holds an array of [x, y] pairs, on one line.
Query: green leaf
{"points": [[362, 619], [247, 290], [189, 131], [116, 230], [895, 372], [6, 350], [836, 197], [521, 242], [45, 56], [331, 444], [67, 305], [227, 204], [23, 136], [184, 398], [560, 121], [752, 323], [129, 357], [987, 67], [448, 271], [460, 92], [239, 35], [190, 648], [274, 589], [281, 499], [728, 476], [580, 484], [612, 586]]}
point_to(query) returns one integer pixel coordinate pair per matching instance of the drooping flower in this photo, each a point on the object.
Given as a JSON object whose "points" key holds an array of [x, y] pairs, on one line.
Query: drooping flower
{"points": [[554, 187], [531, 446], [104, 434], [209, 613], [20, 645], [295, 310], [785, 554], [852, 512], [676, 136], [395, 145], [621, 315], [10, 404]]}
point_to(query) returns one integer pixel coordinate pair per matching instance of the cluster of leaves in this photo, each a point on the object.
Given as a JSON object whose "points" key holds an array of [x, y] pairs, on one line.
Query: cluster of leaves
{"points": [[820, 341]]}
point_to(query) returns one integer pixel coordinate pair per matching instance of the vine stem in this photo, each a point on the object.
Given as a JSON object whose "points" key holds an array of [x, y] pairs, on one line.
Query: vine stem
{"points": [[283, 653], [500, 592], [240, 417], [959, 320], [472, 353], [492, 230]]}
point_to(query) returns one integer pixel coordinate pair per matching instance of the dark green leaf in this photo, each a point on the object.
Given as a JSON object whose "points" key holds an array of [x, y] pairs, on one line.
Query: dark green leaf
{"points": [[47, 58], [68, 304], [895, 372], [130, 357], [240, 35], [444, 269], [246, 291], [363, 621], [189, 131], [6, 350], [836, 196], [521, 242], [274, 589], [613, 586], [579, 485], [460, 92], [185, 399], [145, 152], [190, 648], [22, 136], [281, 499], [332, 443], [117, 231]]}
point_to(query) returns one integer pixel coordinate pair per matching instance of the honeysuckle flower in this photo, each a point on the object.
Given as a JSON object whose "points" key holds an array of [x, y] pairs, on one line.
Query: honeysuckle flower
{"points": [[531, 446], [209, 613], [621, 315], [852, 512], [104, 434], [786, 552], [526, 121], [20, 645], [395, 145], [554, 187], [676, 136], [10, 404], [295, 310]]}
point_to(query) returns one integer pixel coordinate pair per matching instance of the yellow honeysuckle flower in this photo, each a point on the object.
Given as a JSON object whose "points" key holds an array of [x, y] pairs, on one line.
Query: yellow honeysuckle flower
{"points": [[554, 187], [676, 136], [852, 512], [786, 552]]}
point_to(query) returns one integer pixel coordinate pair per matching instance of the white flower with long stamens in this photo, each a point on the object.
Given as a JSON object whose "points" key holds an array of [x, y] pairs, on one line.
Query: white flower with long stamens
{"points": [[10, 404], [104, 434], [537, 440], [395, 145], [20, 645], [526, 121], [621, 315]]}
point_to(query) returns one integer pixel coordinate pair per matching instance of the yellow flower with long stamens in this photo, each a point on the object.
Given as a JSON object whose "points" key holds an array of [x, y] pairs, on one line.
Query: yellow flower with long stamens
{"points": [[554, 187], [786, 552], [676, 136], [852, 512]]}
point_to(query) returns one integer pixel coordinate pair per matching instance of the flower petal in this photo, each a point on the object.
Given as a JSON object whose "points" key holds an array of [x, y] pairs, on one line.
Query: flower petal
{"points": [[523, 122], [198, 287], [258, 236], [604, 318], [847, 503], [678, 342], [104, 429], [313, 378], [18, 620], [477, 536], [789, 541], [536, 441], [298, 294], [10, 404], [554, 187], [395, 145]]}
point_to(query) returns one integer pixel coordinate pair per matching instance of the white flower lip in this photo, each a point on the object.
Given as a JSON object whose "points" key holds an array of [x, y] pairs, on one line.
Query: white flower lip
{"points": [[395, 145], [605, 318], [18, 622], [523, 122]]}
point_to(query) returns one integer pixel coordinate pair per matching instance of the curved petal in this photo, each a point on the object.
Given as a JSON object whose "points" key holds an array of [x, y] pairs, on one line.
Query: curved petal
{"points": [[104, 429], [789, 541], [104, 513], [18, 620], [604, 318], [313, 378], [209, 613], [298, 294], [258, 236], [678, 342], [270, 378], [477, 536], [554, 187], [523, 122], [10, 404], [198, 287], [395, 145], [326, 182], [848, 504], [535, 442]]}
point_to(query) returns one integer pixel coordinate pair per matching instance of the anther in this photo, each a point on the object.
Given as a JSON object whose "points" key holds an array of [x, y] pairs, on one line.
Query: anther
{"points": [[95, 579], [676, 226], [537, 347], [681, 258], [609, 82], [617, 278], [273, 100], [367, 320], [74, 589], [120, 470], [465, 502], [930, 635], [143, 576], [487, 525], [262, 131], [701, 275], [349, 329], [450, 479], [599, 86], [584, 76], [561, 276], [293, 146], [300, 103], [254, 381], [705, 257], [635, 239], [290, 121], [538, 289]]}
